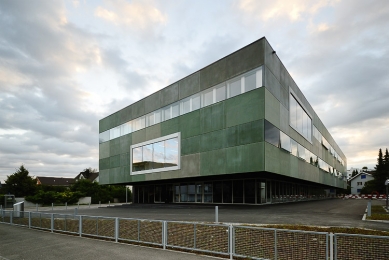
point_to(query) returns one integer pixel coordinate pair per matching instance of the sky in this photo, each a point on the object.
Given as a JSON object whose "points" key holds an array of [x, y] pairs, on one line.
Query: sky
{"points": [[64, 65]]}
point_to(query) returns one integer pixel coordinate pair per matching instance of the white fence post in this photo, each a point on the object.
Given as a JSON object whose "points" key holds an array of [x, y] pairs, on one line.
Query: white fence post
{"points": [[29, 219], [80, 226], [216, 214], [116, 229], [52, 223], [331, 246], [231, 240], [369, 208], [164, 234]]}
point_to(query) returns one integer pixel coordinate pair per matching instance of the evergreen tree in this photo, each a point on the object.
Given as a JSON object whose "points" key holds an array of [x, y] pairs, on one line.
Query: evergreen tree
{"points": [[386, 160], [20, 183], [381, 173]]}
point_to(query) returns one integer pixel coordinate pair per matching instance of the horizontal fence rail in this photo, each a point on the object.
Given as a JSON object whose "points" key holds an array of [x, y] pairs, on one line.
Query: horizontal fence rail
{"points": [[210, 238]]}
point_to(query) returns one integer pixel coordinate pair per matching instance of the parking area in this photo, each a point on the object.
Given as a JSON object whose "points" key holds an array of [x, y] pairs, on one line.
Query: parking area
{"points": [[332, 212]]}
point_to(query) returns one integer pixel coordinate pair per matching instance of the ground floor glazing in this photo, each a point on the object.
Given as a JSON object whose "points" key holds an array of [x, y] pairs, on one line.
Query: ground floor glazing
{"points": [[237, 191]]}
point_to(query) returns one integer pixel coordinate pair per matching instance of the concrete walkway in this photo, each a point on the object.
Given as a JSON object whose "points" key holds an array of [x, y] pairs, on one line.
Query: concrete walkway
{"points": [[23, 243]]}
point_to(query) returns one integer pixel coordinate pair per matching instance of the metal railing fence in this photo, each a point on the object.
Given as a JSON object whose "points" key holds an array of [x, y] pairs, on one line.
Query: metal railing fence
{"points": [[210, 238], [360, 247]]}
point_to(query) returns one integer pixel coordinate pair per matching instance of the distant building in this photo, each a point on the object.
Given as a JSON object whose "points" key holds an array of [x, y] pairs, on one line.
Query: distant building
{"points": [[54, 181], [358, 182], [87, 175]]}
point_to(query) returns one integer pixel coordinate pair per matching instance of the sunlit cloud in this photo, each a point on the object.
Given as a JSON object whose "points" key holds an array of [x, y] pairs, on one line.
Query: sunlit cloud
{"points": [[136, 14]]}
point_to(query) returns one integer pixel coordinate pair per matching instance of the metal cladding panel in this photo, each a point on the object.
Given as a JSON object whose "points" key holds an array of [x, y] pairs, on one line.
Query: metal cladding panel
{"points": [[114, 146], [245, 158], [190, 124], [189, 85], [104, 150], [190, 145], [245, 59], [170, 126], [213, 140], [125, 143], [138, 109], [213, 162], [245, 108], [169, 94], [213, 74], [104, 176], [104, 164], [212, 117], [153, 102], [272, 109]]}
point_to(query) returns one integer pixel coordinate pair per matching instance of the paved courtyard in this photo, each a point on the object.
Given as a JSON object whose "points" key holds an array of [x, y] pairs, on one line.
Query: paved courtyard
{"points": [[332, 212]]}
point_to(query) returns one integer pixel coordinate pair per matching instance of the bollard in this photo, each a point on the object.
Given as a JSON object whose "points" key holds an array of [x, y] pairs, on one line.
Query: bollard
{"points": [[369, 208], [89, 204], [75, 211], [109, 203], [36, 207], [78, 204], [52, 206], [66, 205], [216, 214], [99, 203]]}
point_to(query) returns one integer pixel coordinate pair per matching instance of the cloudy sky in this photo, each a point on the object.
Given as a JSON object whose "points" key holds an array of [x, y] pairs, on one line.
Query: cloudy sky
{"points": [[66, 64]]}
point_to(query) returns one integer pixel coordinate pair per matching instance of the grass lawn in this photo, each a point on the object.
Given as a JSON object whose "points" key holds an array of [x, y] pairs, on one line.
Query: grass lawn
{"points": [[378, 213]]}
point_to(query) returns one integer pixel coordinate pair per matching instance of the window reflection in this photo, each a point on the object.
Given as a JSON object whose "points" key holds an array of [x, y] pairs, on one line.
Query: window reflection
{"points": [[272, 134], [162, 154], [250, 82], [104, 137], [220, 93], [299, 119], [285, 141]]}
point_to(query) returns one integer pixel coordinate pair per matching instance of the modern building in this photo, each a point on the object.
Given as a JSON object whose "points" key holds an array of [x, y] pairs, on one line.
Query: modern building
{"points": [[358, 182], [236, 131]]}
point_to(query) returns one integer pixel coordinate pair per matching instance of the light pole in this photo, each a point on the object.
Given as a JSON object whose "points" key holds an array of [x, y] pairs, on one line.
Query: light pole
{"points": [[387, 184]]}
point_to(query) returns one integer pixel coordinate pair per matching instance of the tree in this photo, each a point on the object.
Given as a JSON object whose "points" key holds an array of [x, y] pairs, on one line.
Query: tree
{"points": [[381, 174], [364, 168], [20, 183]]}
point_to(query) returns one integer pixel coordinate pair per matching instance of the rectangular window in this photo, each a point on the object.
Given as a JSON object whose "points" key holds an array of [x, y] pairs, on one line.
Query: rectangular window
{"points": [[175, 109], [272, 134], [285, 142], [185, 106], [299, 119], [234, 87], [220, 93], [114, 133], [167, 113], [161, 154], [150, 119], [104, 137], [195, 102], [207, 98], [363, 176], [250, 81]]}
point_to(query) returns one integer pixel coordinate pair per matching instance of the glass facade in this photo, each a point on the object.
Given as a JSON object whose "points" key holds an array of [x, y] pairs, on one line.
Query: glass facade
{"points": [[299, 119], [248, 191], [156, 155], [239, 85], [279, 139]]}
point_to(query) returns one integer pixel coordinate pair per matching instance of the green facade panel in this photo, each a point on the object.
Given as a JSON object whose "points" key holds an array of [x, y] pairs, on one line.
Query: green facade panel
{"points": [[114, 147], [245, 158], [104, 176], [212, 117], [245, 108], [213, 162], [213, 74], [272, 109], [212, 141], [104, 163], [114, 161], [190, 124], [153, 132], [153, 102], [139, 136], [125, 143], [170, 126], [169, 95], [190, 145], [104, 150]]}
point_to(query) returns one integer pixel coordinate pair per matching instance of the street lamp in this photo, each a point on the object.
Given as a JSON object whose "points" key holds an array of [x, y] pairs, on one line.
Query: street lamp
{"points": [[387, 184]]}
